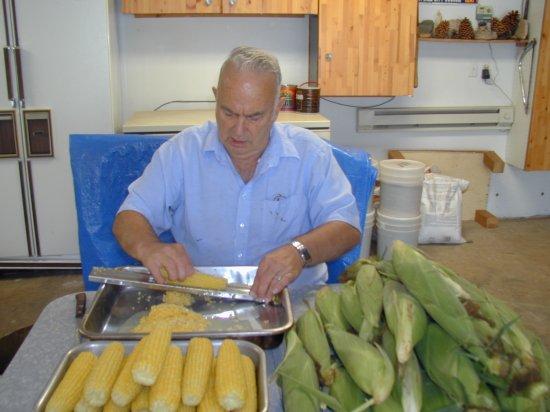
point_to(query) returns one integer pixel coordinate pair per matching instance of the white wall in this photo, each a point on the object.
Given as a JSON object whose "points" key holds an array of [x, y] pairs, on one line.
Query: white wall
{"points": [[178, 58]]}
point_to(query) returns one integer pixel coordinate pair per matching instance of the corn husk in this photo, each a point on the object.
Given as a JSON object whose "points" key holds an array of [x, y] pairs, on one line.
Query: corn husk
{"points": [[405, 318], [518, 403], [368, 366], [351, 308], [451, 369], [409, 385], [389, 405], [329, 307], [346, 391], [434, 399], [386, 269], [388, 344], [312, 334], [351, 271], [369, 289]]}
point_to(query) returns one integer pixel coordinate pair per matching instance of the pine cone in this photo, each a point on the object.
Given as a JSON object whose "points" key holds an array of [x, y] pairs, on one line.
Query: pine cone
{"points": [[499, 28], [465, 30], [511, 21], [442, 30]]}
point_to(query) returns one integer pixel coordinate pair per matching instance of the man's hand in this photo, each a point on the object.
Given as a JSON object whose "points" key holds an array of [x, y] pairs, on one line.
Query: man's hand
{"points": [[277, 269], [170, 256]]}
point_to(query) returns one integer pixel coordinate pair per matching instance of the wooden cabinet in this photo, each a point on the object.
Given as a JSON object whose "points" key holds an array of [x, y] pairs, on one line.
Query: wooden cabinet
{"points": [[367, 47], [257, 7], [171, 7]]}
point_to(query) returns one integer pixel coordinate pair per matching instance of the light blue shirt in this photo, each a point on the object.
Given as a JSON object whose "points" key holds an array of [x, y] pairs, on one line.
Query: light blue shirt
{"points": [[192, 188]]}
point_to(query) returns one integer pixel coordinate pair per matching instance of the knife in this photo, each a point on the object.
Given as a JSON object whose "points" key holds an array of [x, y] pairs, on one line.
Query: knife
{"points": [[143, 279]]}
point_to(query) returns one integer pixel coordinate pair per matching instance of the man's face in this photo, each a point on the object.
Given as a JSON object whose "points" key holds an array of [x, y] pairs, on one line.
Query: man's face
{"points": [[246, 107]]}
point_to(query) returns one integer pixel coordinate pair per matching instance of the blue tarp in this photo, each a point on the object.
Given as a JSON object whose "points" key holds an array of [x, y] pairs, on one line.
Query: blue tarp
{"points": [[104, 165]]}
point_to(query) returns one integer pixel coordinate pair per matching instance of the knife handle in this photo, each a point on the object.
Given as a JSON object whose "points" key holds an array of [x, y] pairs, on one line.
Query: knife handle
{"points": [[80, 304]]}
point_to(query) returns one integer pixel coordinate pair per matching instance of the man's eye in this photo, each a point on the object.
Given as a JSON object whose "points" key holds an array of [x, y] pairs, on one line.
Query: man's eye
{"points": [[228, 114], [255, 117]]}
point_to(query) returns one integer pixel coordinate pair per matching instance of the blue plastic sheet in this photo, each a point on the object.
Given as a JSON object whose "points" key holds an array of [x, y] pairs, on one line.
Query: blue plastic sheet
{"points": [[103, 166]]}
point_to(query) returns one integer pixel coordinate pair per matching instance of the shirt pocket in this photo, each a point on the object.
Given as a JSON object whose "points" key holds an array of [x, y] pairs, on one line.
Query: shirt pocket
{"points": [[284, 218]]}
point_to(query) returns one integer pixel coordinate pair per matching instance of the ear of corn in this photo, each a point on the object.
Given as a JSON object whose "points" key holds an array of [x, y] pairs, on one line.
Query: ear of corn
{"points": [[346, 391], [351, 271], [100, 381], [83, 406], [148, 363], [113, 407], [198, 280], [141, 402], [251, 403], [125, 388], [209, 402], [195, 374], [328, 305], [165, 394], [389, 405], [405, 318], [369, 290], [230, 383], [434, 399], [185, 408], [69, 391], [351, 308], [410, 385], [385, 268], [313, 337], [378, 378]]}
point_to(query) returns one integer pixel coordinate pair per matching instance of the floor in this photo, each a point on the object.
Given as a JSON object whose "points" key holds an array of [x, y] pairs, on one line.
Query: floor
{"points": [[512, 262]]}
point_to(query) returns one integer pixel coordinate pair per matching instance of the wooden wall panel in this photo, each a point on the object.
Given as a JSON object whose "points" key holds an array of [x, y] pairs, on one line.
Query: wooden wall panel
{"points": [[151, 7], [291, 6], [538, 150], [373, 47], [243, 7]]}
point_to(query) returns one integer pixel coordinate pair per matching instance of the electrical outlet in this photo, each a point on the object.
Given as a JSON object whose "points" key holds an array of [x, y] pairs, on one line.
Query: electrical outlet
{"points": [[485, 72]]}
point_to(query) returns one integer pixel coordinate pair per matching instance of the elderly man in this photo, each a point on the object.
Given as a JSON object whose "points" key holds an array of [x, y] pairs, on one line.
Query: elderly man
{"points": [[242, 191]]}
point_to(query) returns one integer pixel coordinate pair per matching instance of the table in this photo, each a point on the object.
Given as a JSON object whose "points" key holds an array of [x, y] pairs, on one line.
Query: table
{"points": [[55, 332]]}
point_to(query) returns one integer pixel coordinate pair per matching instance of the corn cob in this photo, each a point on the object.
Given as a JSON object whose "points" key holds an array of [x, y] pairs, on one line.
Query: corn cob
{"points": [[405, 318], [68, 392], [346, 391], [185, 408], [377, 379], [198, 280], [100, 381], [125, 388], [369, 289], [165, 395], [351, 308], [83, 406], [113, 407], [209, 402], [141, 402], [148, 362], [251, 403], [230, 383], [328, 305], [313, 337], [409, 385], [195, 374]]}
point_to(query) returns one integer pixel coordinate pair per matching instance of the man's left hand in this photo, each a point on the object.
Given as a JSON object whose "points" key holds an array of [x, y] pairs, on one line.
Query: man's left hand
{"points": [[277, 269]]}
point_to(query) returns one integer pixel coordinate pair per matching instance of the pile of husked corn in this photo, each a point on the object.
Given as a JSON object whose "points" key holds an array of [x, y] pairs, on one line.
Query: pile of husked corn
{"points": [[157, 377], [178, 318]]}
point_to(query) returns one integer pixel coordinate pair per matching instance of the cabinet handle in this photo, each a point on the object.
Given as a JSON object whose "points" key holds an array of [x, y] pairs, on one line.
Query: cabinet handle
{"points": [[328, 57], [232, 2], [19, 71], [7, 66], [208, 2]]}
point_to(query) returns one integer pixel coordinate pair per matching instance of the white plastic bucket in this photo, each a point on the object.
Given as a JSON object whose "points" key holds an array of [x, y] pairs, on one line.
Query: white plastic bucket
{"points": [[389, 229], [401, 187], [367, 235]]}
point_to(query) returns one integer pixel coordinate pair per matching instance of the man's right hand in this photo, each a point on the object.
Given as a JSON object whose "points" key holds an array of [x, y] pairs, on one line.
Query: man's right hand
{"points": [[171, 256]]}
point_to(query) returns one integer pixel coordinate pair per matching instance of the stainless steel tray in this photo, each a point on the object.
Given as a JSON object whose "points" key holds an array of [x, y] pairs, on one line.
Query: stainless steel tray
{"points": [[117, 309], [249, 349]]}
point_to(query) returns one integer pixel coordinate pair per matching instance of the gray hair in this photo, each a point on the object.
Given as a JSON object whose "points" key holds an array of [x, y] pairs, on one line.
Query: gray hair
{"points": [[246, 58]]}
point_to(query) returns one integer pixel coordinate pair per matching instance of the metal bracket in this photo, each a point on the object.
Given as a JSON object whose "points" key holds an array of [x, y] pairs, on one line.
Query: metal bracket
{"points": [[526, 91]]}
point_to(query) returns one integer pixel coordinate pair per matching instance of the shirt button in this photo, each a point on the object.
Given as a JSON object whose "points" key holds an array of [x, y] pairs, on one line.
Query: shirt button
{"points": [[240, 255], [243, 195], [241, 225]]}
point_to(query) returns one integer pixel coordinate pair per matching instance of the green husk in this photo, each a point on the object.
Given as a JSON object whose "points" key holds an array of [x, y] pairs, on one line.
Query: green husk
{"points": [[517, 403], [329, 306], [351, 308], [346, 391], [388, 344], [312, 334], [434, 399], [368, 366], [298, 365], [351, 271], [405, 318], [452, 370], [369, 287], [389, 405], [409, 385], [385, 268]]}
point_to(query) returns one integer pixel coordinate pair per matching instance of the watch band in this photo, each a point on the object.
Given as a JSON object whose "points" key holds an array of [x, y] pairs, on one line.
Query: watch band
{"points": [[302, 251]]}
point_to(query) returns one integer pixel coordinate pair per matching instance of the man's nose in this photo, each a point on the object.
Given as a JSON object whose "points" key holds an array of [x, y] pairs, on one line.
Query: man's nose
{"points": [[239, 126]]}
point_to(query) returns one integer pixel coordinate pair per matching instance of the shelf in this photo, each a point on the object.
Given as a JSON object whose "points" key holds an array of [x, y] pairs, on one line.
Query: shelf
{"points": [[519, 43]]}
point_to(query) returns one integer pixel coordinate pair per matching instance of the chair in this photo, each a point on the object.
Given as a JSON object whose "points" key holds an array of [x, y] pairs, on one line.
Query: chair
{"points": [[104, 165]]}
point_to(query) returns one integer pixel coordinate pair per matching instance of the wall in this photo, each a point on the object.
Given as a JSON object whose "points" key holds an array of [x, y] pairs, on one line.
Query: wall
{"points": [[179, 58]]}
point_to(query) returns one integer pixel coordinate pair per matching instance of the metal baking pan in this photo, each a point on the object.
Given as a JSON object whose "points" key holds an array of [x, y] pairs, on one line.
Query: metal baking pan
{"points": [[117, 309], [249, 349]]}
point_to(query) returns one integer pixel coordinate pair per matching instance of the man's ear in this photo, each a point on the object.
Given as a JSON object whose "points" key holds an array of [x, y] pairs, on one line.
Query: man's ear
{"points": [[215, 91]]}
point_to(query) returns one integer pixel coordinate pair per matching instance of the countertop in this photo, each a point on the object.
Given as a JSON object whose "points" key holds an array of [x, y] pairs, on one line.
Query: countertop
{"points": [[176, 120]]}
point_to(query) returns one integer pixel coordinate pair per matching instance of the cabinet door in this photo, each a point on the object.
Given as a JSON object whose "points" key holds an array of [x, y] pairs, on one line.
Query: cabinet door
{"points": [[171, 6], [242, 6], [367, 47], [270, 6]]}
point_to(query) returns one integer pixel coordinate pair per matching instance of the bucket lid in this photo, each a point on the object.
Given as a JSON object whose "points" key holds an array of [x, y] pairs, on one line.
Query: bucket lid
{"points": [[401, 171], [402, 222]]}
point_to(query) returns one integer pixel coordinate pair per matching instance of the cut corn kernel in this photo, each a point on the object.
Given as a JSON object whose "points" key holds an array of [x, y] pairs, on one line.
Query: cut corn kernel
{"points": [[178, 318], [209, 402], [230, 384], [165, 395], [141, 403], [195, 374], [197, 280], [100, 381], [68, 392], [125, 388], [251, 403], [148, 363]]}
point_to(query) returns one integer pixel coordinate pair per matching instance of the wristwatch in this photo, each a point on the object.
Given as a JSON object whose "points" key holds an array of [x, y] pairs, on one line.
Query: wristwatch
{"points": [[302, 251]]}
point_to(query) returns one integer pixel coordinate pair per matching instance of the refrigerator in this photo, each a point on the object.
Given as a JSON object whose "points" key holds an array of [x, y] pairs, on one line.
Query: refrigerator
{"points": [[58, 75]]}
